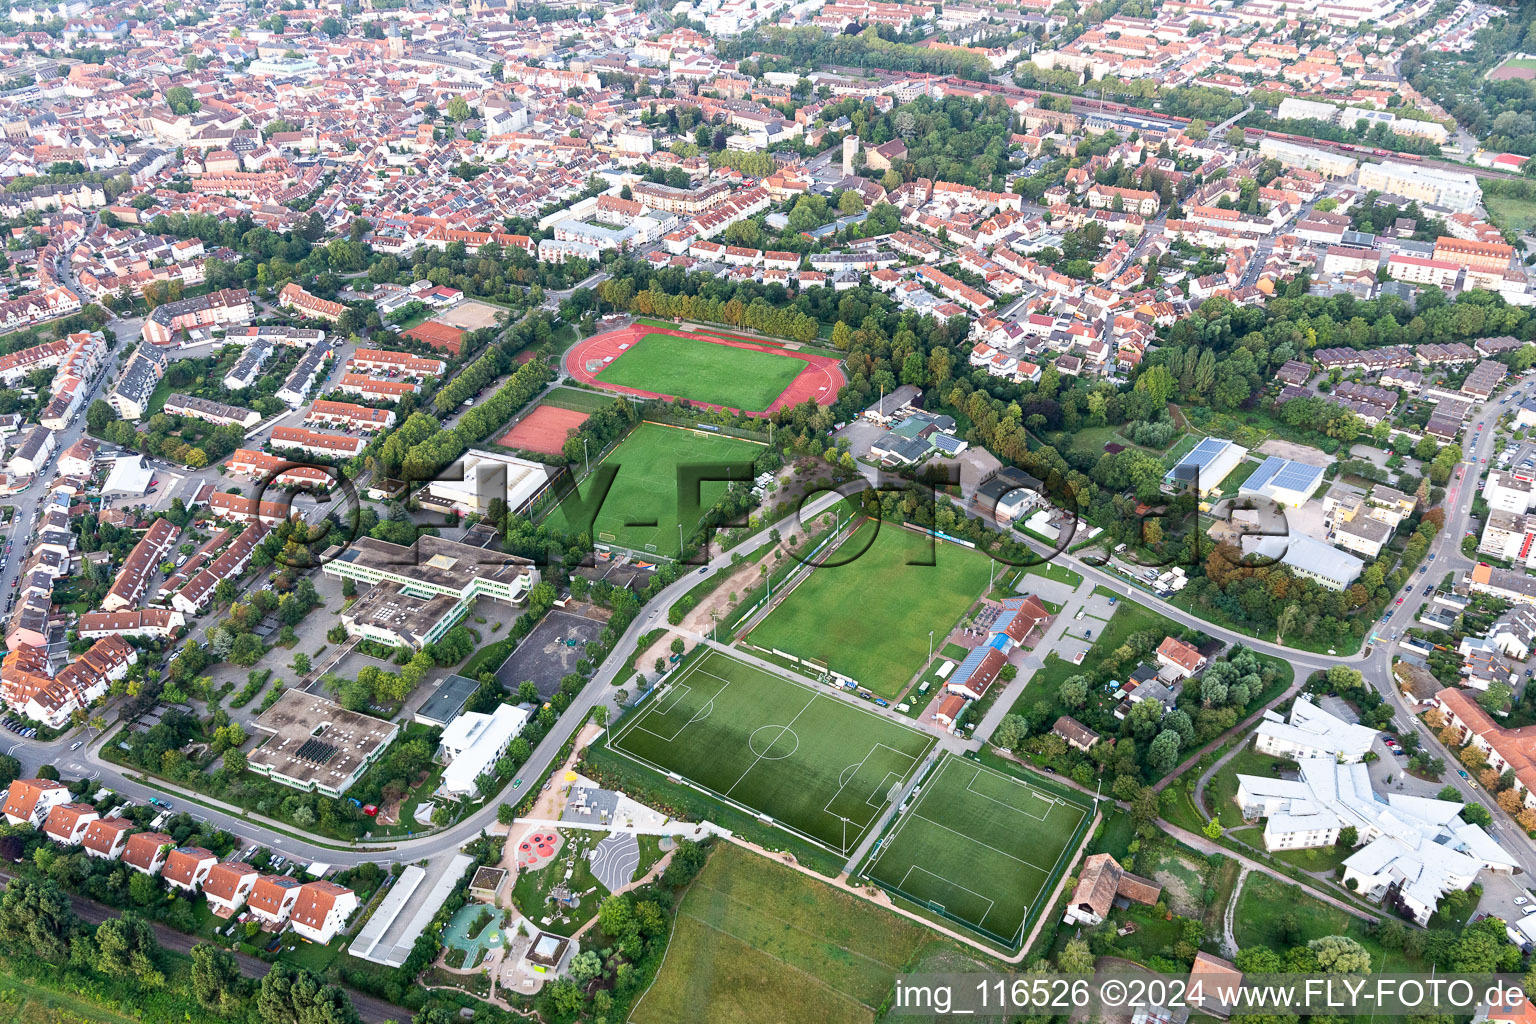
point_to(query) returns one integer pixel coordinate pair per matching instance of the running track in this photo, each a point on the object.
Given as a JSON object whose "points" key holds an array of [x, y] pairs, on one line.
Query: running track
{"points": [[819, 381]]}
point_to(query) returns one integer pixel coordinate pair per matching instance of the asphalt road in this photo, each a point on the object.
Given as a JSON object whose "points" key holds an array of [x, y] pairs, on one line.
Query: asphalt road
{"points": [[1375, 666]]}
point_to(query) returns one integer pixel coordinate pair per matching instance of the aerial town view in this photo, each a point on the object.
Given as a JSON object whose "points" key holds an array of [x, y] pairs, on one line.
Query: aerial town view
{"points": [[767, 511]]}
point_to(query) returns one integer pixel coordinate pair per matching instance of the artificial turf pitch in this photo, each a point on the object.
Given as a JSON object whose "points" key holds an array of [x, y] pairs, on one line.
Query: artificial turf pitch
{"points": [[869, 619], [978, 845], [649, 497], [816, 764], [702, 371]]}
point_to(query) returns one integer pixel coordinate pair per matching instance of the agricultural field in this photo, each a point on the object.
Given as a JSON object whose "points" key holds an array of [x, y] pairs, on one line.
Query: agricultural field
{"points": [[819, 765], [641, 509], [959, 849], [869, 619], [757, 942]]}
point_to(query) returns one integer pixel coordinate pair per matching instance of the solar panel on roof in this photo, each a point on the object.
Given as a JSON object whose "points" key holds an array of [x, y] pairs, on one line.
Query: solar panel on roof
{"points": [[315, 751]]}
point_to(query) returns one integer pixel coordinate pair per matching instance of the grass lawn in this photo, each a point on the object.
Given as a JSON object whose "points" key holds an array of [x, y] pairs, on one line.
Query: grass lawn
{"points": [[957, 848], [1052, 571], [954, 652], [1265, 902], [1085, 441], [641, 509], [756, 941], [579, 400], [869, 618], [1512, 213], [702, 371], [530, 893], [820, 765], [1221, 791], [488, 658]]}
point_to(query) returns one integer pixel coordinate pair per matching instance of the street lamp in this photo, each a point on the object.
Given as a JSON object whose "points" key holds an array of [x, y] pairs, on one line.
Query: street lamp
{"points": [[930, 645], [584, 456]]}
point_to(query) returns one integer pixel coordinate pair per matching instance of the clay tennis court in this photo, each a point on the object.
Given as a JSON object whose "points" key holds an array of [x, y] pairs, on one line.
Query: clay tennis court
{"points": [[543, 430], [471, 315], [819, 380]]}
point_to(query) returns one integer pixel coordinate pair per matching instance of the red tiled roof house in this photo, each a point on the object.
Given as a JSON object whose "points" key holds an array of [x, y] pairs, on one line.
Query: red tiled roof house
{"points": [[28, 801], [67, 823], [145, 851], [187, 866]]}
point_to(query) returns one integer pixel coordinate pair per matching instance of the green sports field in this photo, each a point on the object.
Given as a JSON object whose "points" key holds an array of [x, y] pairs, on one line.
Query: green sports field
{"points": [[869, 619], [641, 508], [980, 846], [815, 763], [702, 371]]}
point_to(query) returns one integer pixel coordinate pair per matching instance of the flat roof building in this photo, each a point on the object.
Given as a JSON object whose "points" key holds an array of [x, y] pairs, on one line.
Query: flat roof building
{"points": [[479, 477], [446, 701], [1205, 467], [473, 741], [1283, 481], [316, 744], [434, 565]]}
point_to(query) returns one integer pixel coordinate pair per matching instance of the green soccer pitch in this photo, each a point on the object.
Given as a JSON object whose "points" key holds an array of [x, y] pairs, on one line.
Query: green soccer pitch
{"points": [[869, 619], [641, 509], [817, 764], [981, 847], [701, 371]]}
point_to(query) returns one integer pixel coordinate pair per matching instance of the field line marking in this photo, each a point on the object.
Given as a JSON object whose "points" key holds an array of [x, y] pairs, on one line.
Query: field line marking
{"points": [[759, 757], [1010, 807], [906, 817], [951, 882], [637, 724], [984, 846]]}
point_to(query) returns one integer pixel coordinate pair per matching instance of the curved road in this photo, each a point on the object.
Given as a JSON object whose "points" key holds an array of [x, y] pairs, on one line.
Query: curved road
{"points": [[1375, 666]]}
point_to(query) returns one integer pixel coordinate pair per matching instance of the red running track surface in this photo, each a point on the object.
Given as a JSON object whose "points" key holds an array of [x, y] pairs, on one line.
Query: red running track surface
{"points": [[819, 381]]}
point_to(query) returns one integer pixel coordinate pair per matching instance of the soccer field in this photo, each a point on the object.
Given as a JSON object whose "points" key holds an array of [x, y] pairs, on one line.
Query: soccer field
{"points": [[869, 619], [817, 764], [644, 506], [702, 371], [980, 846]]}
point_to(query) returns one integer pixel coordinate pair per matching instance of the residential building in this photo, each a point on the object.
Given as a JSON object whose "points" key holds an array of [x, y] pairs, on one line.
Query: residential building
{"points": [[186, 867], [1312, 732], [28, 801], [66, 823], [320, 909]]}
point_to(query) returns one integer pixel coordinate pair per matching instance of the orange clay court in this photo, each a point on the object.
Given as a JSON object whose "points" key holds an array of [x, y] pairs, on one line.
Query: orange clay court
{"points": [[543, 430]]}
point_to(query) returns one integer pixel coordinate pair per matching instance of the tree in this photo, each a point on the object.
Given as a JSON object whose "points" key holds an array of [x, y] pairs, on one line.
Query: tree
{"points": [[1074, 691], [1075, 958], [1236, 137], [126, 948], [36, 919], [10, 769], [687, 861], [1163, 754], [293, 995], [1339, 954], [1009, 731], [216, 980], [1477, 814], [181, 101], [850, 202], [1349, 836], [585, 966], [1213, 829]]}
